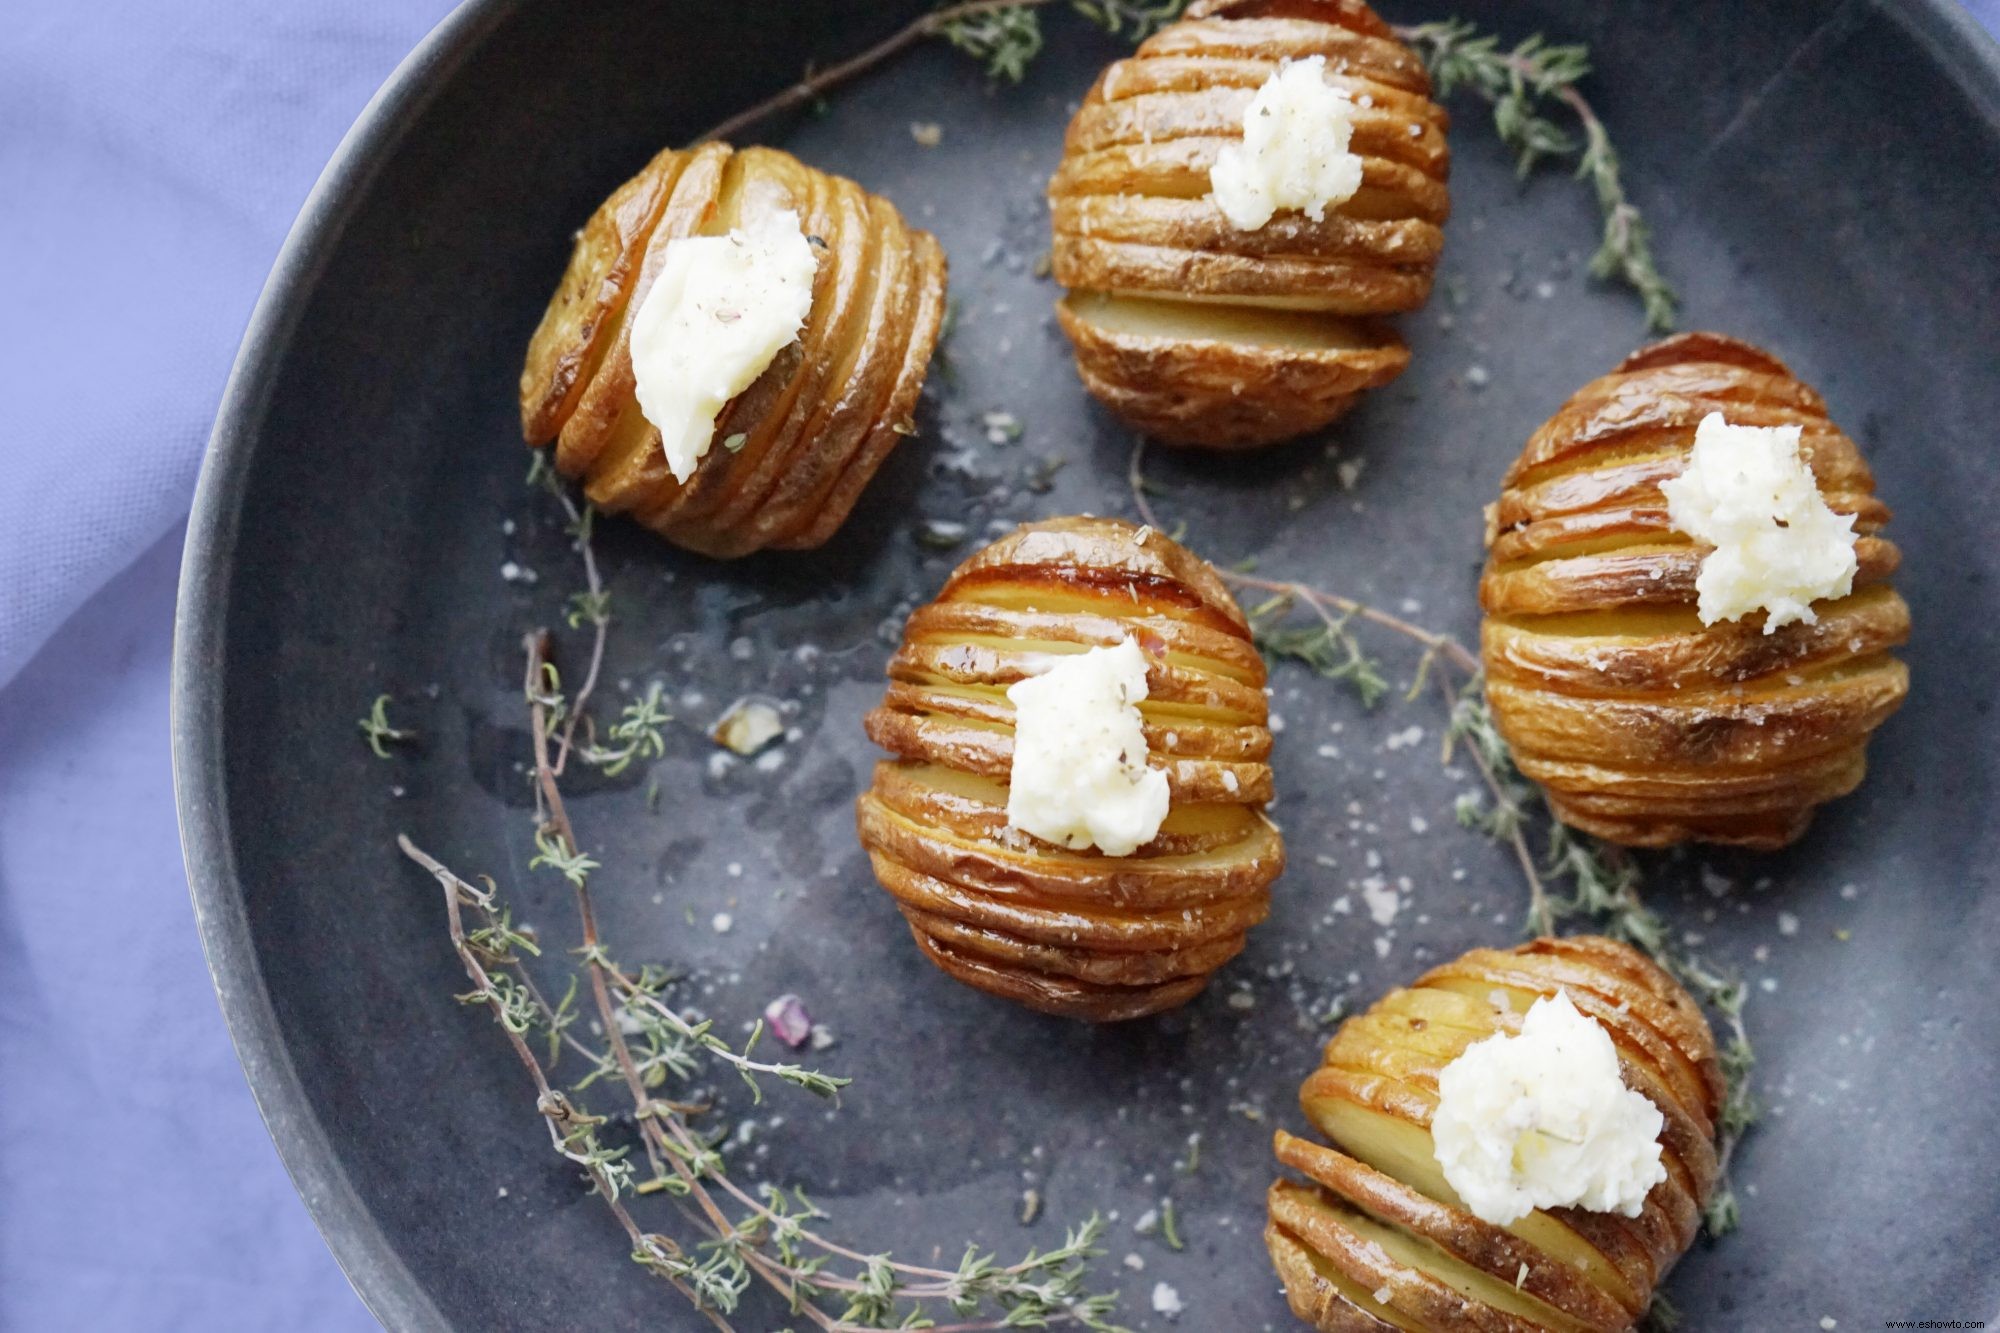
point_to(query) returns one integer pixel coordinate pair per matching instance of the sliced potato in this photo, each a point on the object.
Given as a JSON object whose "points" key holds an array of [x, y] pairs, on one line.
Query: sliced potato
{"points": [[1194, 330], [583, 316], [1645, 726], [792, 452], [1379, 1238], [1066, 931]]}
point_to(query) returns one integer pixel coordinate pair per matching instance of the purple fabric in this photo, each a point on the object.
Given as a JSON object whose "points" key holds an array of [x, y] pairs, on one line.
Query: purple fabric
{"points": [[154, 153], [138, 1189]]}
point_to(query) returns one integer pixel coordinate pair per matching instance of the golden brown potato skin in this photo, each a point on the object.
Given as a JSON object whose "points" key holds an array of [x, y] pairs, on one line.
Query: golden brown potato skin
{"points": [[815, 425], [1068, 932], [1644, 726], [1378, 1217], [1133, 219]]}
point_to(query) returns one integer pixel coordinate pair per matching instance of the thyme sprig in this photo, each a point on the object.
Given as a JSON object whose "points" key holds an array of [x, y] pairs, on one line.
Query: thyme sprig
{"points": [[1007, 40], [1520, 83], [380, 732], [1004, 40], [1136, 19], [1577, 877], [742, 1239], [1329, 649], [1003, 35], [572, 1130], [591, 606]]}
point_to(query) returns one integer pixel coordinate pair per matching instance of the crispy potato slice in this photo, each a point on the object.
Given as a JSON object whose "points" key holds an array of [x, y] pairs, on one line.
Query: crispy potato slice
{"points": [[584, 315], [1052, 994], [1200, 333], [975, 807], [1067, 931], [1224, 376], [1079, 923], [896, 417], [607, 415], [1481, 1260], [1644, 726], [1106, 968]]}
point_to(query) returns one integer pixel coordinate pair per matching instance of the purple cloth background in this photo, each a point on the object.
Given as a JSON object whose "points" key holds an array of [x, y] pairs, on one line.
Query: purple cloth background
{"points": [[154, 154]]}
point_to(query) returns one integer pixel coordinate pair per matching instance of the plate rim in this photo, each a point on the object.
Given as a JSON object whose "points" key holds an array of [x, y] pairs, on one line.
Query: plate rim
{"points": [[369, 1261], [1965, 54]]}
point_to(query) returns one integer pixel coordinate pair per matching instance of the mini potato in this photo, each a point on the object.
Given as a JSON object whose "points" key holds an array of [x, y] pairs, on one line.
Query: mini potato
{"points": [[792, 452], [1645, 726], [1064, 931], [1199, 332], [1375, 1237]]}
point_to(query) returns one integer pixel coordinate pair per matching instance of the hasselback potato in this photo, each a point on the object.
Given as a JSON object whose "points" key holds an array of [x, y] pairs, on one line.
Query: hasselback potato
{"points": [[791, 452], [1061, 929], [1645, 725], [1202, 332], [1379, 1239]]}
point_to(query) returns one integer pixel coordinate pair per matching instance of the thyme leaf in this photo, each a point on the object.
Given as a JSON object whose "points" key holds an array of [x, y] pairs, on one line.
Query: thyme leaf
{"points": [[380, 732], [1004, 41], [639, 733], [1329, 649], [1170, 1229]]}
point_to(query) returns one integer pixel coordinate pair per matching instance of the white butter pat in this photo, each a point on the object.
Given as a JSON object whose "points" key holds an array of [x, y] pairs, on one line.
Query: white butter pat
{"points": [[719, 312], [1294, 152], [1080, 776], [1542, 1120], [1747, 492]]}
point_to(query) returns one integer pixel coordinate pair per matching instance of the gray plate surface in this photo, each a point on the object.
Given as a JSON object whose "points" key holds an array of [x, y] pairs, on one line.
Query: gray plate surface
{"points": [[1821, 178]]}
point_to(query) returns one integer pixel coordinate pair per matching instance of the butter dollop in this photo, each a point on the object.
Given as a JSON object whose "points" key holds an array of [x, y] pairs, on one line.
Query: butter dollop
{"points": [[1294, 152], [1079, 774], [1747, 492], [718, 313], [1542, 1120]]}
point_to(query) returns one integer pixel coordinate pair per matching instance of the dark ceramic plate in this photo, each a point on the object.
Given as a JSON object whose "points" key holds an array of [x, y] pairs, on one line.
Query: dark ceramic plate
{"points": [[1821, 178]]}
